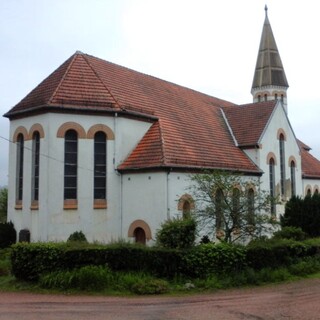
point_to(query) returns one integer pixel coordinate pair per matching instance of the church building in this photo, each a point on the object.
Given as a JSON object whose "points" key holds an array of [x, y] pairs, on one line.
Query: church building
{"points": [[108, 151]]}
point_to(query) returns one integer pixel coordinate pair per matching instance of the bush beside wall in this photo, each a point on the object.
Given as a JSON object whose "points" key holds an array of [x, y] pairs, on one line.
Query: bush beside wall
{"points": [[31, 260]]}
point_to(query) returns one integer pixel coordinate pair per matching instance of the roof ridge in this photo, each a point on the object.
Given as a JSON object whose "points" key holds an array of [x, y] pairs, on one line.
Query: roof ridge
{"points": [[163, 80], [97, 75], [62, 78], [164, 159]]}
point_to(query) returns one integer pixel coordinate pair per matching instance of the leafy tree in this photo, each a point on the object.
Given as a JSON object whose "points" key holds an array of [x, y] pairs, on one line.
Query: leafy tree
{"points": [[3, 204], [77, 236], [231, 205], [177, 233], [303, 213]]}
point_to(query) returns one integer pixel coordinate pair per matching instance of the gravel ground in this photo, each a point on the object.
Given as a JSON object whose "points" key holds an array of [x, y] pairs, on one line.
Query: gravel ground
{"points": [[292, 301]]}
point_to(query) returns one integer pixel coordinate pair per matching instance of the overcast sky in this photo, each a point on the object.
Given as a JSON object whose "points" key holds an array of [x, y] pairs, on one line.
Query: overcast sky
{"points": [[210, 46]]}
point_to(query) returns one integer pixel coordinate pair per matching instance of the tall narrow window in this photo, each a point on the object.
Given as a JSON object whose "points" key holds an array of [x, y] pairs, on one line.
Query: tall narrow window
{"points": [[236, 207], [19, 169], [272, 185], [250, 218], [282, 165], [186, 209], [293, 178], [35, 168], [219, 209], [70, 165], [100, 166]]}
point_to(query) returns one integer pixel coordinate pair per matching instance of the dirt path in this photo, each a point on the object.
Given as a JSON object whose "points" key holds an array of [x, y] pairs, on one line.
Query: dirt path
{"points": [[293, 301]]}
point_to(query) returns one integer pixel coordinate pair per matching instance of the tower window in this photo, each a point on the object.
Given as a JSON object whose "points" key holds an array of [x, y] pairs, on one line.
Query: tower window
{"points": [[276, 96], [282, 164], [293, 178], [272, 185], [259, 98], [265, 97]]}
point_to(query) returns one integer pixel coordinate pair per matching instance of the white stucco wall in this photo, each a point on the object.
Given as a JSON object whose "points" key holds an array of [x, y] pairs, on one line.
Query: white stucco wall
{"points": [[51, 222]]}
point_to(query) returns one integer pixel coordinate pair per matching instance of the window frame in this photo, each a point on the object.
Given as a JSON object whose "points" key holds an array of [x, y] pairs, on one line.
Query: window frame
{"points": [[100, 153], [71, 142], [19, 170], [282, 165], [35, 170]]}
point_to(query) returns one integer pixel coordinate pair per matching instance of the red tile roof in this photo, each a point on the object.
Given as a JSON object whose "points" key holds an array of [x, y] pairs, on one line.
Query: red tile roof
{"points": [[310, 165], [249, 121], [191, 131]]}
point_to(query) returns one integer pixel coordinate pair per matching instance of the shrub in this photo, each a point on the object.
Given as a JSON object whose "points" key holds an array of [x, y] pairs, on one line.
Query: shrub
{"points": [[5, 265], [90, 278], [177, 233], [276, 253], [306, 266], [77, 236], [208, 259], [8, 234], [290, 233]]}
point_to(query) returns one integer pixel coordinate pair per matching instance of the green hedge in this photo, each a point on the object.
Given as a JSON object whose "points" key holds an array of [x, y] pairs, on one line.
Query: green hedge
{"points": [[276, 253], [31, 260], [208, 259]]}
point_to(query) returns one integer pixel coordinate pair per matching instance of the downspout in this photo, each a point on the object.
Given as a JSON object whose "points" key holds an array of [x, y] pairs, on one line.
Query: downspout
{"points": [[167, 200], [115, 163]]}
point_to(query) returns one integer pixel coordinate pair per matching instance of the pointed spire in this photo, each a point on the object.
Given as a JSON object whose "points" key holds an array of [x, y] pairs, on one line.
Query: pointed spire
{"points": [[269, 69], [269, 76]]}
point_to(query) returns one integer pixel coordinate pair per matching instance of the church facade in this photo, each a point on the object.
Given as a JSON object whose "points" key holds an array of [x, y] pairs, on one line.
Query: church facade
{"points": [[109, 151]]}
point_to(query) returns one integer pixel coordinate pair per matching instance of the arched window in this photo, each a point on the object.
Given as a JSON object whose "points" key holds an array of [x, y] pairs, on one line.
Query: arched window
{"points": [[70, 165], [272, 185], [219, 210], [276, 96], [265, 97], [19, 169], [35, 168], [259, 98], [236, 207], [282, 164], [186, 209], [293, 178], [309, 192], [100, 166], [250, 218]]}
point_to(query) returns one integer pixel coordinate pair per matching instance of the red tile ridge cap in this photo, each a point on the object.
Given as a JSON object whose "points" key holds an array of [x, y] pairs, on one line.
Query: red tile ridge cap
{"points": [[97, 75], [63, 77]]}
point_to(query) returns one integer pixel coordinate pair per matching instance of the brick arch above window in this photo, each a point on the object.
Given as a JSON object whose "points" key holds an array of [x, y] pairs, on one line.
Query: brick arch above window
{"points": [[292, 159], [100, 127], [20, 130], [251, 186], [308, 190], [139, 224], [71, 126], [185, 198], [270, 156], [37, 127], [281, 131]]}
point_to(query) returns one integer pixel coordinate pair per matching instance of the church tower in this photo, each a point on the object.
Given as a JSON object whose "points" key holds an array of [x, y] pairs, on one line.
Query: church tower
{"points": [[269, 81]]}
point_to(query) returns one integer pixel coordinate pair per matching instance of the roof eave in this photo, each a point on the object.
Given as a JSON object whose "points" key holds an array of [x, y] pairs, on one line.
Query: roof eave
{"points": [[59, 108]]}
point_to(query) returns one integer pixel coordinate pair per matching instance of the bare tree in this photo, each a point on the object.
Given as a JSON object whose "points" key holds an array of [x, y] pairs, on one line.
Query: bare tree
{"points": [[231, 205]]}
